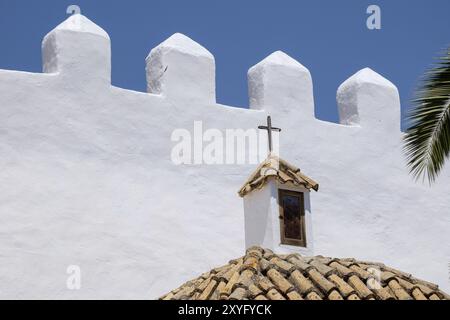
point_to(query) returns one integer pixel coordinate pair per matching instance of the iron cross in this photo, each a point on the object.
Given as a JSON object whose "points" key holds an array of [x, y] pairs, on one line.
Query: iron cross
{"points": [[269, 129]]}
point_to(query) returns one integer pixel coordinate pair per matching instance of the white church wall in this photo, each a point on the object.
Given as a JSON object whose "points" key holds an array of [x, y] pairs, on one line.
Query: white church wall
{"points": [[260, 219], [88, 178]]}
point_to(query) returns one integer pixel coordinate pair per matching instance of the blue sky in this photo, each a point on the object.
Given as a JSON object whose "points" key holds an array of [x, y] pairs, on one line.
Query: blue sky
{"points": [[329, 37]]}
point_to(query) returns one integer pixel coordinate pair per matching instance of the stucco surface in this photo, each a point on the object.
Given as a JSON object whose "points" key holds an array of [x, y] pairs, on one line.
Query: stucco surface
{"points": [[87, 177]]}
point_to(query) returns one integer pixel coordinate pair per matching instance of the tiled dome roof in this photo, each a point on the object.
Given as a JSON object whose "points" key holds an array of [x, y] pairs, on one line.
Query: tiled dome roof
{"points": [[263, 275]]}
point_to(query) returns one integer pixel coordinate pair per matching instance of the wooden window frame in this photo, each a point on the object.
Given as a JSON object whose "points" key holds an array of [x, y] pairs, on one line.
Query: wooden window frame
{"points": [[289, 241]]}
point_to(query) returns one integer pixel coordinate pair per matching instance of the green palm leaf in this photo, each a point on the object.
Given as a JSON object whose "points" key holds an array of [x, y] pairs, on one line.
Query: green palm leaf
{"points": [[427, 140]]}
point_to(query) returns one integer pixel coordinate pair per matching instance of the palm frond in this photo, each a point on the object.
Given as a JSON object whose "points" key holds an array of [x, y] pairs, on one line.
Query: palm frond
{"points": [[427, 140]]}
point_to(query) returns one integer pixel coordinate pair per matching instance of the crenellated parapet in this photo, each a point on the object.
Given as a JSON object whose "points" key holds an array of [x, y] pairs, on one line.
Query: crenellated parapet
{"points": [[369, 100], [281, 84], [181, 70], [78, 49]]}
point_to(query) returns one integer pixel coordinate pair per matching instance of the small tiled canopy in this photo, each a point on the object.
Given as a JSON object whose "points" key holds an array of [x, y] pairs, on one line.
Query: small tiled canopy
{"points": [[262, 275], [282, 171]]}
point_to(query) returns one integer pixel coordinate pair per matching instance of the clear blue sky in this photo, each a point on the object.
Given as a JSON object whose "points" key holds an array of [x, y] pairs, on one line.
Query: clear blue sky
{"points": [[328, 37]]}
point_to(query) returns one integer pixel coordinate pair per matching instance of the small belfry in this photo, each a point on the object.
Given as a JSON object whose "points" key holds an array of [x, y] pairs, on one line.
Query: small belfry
{"points": [[277, 204]]}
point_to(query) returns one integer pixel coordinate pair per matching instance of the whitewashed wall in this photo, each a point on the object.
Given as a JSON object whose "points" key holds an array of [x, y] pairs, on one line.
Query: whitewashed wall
{"points": [[262, 219], [87, 178]]}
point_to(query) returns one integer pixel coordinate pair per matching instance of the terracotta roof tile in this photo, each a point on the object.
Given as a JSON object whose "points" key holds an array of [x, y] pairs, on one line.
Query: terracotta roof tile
{"points": [[279, 281], [434, 297], [282, 265], [313, 296], [300, 264], [425, 289], [384, 293], [406, 285], [294, 295], [399, 292], [207, 292], [387, 276], [322, 268], [320, 281], [334, 295], [303, 284], [230, 285], [262, 275], [273, 294], [265, 284], [418, 295], [254, 291], [363, 274], [281, 170], [360, 287], [342, 270], [344, 288], [238, 294], [353, 297]]}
